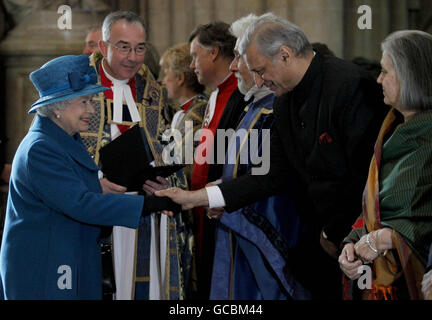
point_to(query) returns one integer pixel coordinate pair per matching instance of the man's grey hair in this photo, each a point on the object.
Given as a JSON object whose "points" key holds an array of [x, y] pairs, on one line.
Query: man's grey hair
{"points": [[113, 17], [270, 32], [410, 54], [48, 110], [239, 26]]}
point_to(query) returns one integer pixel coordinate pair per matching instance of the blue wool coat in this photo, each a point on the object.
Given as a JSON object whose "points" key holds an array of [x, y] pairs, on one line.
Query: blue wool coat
{"points": [[55, 208]]}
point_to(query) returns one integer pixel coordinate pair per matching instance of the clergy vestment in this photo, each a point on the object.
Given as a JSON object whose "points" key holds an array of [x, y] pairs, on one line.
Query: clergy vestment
{"points": [[138, 271], [192, 111], [252, 243], [223, 112], [187, 121]]}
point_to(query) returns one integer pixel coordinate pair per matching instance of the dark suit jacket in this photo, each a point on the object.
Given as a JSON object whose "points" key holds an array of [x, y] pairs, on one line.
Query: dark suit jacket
{"points": [[324, 150]]}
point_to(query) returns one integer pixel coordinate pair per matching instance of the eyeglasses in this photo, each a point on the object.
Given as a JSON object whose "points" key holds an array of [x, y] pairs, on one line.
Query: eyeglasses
{"points": [[126, 48]]}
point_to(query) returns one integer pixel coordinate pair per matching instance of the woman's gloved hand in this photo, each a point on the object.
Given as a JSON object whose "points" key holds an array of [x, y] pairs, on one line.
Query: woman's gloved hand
{"points": [[157, 204]]}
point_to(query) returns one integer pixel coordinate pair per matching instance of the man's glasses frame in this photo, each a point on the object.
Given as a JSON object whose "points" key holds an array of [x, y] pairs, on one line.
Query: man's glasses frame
{"points": [[125, 48]]}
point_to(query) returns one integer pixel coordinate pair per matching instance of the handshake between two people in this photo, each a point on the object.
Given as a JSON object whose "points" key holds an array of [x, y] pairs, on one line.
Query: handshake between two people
{"points": [[186, 199], [190, 199], [161, 197]]}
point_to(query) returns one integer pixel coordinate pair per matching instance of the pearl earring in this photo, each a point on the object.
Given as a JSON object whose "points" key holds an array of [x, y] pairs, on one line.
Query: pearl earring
{"points": [[57, 116]]}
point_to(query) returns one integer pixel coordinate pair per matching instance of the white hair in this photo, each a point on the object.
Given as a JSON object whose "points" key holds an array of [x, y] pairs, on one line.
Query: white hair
{"points": [[270, 32], [239, 26], [48, 110], [409, 52]]}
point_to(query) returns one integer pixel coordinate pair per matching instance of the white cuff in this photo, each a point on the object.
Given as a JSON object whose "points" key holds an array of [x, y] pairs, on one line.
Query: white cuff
{"points": [[100, 174], [215, 197]]}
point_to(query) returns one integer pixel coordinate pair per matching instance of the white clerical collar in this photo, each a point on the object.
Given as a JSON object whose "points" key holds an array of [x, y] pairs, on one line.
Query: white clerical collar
{"points": [[122, 91], [113, 80]]}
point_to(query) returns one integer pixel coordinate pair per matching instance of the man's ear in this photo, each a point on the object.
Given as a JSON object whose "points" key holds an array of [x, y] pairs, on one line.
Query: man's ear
{"points": [[214, 53], [103, 46], [286, 53]]}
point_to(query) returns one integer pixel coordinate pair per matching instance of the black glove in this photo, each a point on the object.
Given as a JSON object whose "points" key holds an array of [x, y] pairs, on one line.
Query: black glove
{"points": [[155, 204]]}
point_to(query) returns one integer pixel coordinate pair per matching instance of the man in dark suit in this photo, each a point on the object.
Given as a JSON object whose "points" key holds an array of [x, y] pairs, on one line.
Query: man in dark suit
{"points": [[328, 114]]}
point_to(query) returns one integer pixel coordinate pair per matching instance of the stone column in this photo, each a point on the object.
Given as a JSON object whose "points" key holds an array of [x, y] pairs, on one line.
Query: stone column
{"points": [[321, 20], [387, 16]]}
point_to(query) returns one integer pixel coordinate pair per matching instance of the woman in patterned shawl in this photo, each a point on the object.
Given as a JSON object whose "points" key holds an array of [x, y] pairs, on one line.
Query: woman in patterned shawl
{"points": [[394, 232]]}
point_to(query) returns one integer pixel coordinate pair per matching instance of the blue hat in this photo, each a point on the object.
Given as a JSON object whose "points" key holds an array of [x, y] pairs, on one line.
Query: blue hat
{"points": [[64, 78]]}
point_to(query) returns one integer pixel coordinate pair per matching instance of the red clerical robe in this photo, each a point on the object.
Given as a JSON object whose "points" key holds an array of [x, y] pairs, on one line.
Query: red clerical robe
{"points": [[200, 171]]}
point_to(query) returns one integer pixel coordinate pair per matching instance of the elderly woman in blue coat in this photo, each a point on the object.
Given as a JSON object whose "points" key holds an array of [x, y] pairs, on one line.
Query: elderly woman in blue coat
{"points": [[56, 208]]}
